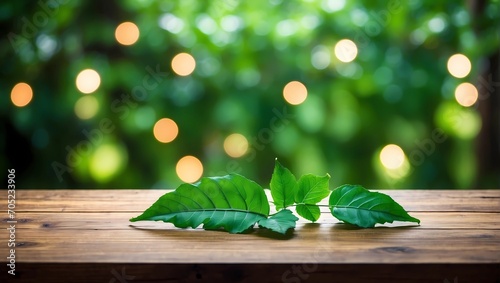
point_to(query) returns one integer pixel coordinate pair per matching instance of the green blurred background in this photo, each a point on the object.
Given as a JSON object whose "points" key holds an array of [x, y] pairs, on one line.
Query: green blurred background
{"points": [[396, 88]]}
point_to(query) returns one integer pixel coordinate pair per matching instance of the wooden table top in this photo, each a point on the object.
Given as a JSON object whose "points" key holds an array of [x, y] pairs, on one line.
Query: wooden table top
{"points": [[92, 226]]}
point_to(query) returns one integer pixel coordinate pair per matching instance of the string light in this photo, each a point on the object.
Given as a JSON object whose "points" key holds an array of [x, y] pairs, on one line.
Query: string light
{"points": [[88, 81], [183, 64], [346, 50], [189, 169], [392, 156], [466, 94], [21, 94], [165, 130], [236, 145], [295, 92], [127, 33], [459, 65]]}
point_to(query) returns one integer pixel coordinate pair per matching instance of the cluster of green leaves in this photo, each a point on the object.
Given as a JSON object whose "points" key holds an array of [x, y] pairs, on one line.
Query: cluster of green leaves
{"points": [[235, 203]]}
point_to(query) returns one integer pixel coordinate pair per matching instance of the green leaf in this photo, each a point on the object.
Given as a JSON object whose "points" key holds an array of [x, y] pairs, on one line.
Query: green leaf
{"points": [[280, 222], [356, 205], [309, 211], [231, 202], [312, 189], [283, 186]]}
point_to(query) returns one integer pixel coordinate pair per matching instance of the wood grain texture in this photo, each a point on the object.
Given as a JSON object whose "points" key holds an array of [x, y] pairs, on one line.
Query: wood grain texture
{"points": [[138, 200], [73, 231]]}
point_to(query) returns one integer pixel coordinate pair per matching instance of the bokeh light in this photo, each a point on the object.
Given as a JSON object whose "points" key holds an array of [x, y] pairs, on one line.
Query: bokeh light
{"points": [[183, 64], [21, 94], [145, 117], [165, 130], [392, 156], [86, 107], [88, 81], [320, 57], [437, 24], [249, 81], [457, 121], [311, 115], [295, 92], [459, 65], [106, 162], [346, 50], [331, 6], [466, 94], [127, 33], [171, 23], [189, 169], [236, 145]]}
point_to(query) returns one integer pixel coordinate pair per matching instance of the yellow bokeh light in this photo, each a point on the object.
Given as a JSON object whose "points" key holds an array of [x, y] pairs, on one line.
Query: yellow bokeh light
{"points": [[466, 94], [127, 33], [392, 156], [183, 64], [189, 169], [346, 50], [21, 94], [106, 162], [86, 107], [165, 130], [236, 145], [88, 81], [295, 92], [459, 65]]}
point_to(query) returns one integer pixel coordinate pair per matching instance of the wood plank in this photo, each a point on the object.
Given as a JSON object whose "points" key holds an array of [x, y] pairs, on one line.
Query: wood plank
{"points": [[313, 243], [85, 235], [139, 200], [248, 273], [119, 221]]}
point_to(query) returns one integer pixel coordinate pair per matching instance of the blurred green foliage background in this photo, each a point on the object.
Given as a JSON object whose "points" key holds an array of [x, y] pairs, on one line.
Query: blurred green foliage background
{"points": [[397, 90]]}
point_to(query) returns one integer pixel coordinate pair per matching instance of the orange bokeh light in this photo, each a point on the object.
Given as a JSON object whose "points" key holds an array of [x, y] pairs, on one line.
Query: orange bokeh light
{"points": [[127, 33], [189, 169], [183, 64], [165, 130], [295, 92], [21, 94]]}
